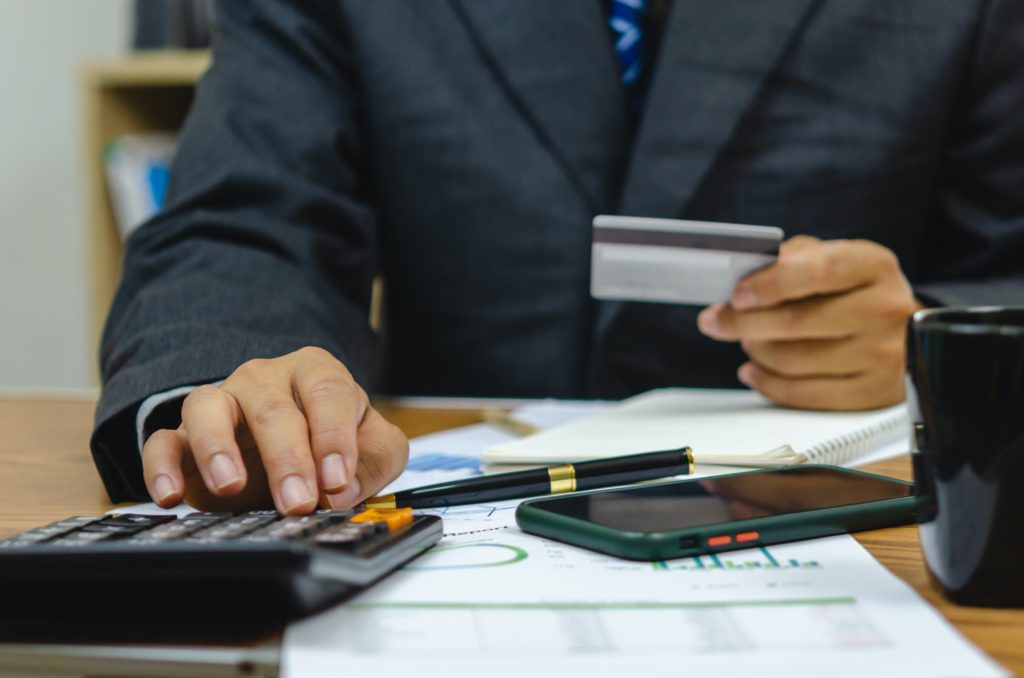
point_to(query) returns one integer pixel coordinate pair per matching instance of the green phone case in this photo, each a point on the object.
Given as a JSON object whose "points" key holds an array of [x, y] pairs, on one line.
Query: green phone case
{"points": [[532, 517]]}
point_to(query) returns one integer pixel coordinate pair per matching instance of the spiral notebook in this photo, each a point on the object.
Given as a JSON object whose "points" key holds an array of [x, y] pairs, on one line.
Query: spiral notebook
{"points": [[725, 427]]}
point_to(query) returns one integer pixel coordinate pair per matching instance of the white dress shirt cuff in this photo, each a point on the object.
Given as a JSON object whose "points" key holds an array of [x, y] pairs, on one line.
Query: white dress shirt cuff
{"points": [[154, 401]]}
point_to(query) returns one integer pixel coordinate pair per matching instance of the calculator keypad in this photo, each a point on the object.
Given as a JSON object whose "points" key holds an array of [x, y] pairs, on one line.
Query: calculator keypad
{"points": [[47, 532], [337, 529]]}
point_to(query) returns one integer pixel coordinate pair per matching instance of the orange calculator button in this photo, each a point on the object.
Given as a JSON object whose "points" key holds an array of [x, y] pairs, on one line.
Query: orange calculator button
{"points": [[748, 536], [720, 540], [393, 518]]}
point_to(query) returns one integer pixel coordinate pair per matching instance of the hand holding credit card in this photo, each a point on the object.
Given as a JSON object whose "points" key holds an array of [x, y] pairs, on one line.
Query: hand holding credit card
{"points": [[676, 261], [822, 322]]}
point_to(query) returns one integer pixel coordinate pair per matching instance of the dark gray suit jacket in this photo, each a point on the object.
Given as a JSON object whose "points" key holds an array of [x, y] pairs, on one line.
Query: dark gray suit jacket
{"points": [[461, 147]]}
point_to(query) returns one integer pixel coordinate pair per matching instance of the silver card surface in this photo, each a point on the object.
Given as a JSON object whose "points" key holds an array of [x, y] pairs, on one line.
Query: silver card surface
{"points": [[676, 261]]}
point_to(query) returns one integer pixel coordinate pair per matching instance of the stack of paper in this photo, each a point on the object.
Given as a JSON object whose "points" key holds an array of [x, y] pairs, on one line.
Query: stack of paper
{"points": [[735, 427]]}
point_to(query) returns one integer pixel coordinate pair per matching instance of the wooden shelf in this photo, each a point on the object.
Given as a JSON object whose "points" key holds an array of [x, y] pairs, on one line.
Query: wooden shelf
{"points": [[137, 93], [149, 69]]}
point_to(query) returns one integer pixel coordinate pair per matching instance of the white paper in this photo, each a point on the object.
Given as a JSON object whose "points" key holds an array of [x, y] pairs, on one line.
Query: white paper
{"points": [[546, 414], [151, 509], [509, 604], [714, 423]]}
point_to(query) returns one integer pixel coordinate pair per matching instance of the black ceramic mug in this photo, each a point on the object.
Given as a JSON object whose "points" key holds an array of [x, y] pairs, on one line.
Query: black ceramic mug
{"points": [[966, 397]]}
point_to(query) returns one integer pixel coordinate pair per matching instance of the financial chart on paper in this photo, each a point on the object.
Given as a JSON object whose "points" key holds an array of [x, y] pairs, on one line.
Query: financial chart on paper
{"points": [[509, 591]]}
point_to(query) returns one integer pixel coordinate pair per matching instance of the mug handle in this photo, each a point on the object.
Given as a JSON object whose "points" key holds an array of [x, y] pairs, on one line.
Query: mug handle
{"points": [[924, 483]]}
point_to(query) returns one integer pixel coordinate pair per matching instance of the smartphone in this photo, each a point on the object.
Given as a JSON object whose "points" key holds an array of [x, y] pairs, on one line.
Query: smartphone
{"points": [[721, 513]]}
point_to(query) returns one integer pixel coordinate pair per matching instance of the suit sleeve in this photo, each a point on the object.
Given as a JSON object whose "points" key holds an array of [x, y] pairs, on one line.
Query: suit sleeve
{"points": [[976, 251], [266, 243]]}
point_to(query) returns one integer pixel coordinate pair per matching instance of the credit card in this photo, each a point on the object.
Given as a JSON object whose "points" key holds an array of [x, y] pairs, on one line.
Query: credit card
{"points": [[676, 261]]}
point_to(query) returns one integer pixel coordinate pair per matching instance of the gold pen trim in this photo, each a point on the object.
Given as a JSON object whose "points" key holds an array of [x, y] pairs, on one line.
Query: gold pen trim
{"points": [[689, 458], [563, 478], [385, 501]]}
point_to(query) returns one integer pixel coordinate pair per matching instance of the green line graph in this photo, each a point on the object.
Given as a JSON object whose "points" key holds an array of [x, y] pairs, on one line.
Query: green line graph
{"points": [[598, 606], [468, 557], [753, 559]]}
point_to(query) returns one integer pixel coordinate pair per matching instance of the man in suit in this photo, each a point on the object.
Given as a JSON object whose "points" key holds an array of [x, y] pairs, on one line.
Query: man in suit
{"points": [[460, 148]]}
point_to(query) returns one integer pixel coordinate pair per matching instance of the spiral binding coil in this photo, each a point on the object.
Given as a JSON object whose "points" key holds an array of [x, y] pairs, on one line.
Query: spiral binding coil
{"points": [[847, 446]]}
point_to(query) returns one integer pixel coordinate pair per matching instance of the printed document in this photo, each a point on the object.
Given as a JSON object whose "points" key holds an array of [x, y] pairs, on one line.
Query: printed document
{"points": [[490, 600]]}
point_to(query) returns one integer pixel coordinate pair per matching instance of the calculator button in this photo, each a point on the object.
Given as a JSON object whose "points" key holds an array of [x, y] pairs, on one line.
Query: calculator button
{"points": [[136, 520], [290, 527], [394, 519], [334, 516], [180, 528], [197, 521], [76, 521], [48, 532], [113, 531], [126, 524], [163, 533], [82, 538], [234, 527], [348, 535], [299, 526], [69, 524]]}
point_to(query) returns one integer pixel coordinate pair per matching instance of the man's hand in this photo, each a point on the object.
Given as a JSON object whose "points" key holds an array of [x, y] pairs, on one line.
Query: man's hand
{"points": [[824, 326], [295, 432]]}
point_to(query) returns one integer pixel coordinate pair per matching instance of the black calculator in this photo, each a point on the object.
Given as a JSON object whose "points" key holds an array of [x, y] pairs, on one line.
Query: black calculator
{"points": [[209, 568]]}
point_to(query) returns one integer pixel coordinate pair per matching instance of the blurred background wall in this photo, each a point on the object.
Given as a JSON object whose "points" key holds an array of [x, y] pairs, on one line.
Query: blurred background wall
{"points": [[44, 334]]}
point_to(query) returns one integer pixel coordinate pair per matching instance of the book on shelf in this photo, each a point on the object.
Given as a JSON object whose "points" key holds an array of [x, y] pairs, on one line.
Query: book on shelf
{"points": [[137, 168]]}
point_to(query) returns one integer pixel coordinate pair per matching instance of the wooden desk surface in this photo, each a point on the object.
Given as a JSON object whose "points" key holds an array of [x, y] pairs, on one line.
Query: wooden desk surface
{"points": [[46, 474]]}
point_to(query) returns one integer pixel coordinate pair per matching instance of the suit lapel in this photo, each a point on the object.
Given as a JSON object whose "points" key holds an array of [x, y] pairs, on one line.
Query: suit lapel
{"points": [[555, 60], [714, 60]]}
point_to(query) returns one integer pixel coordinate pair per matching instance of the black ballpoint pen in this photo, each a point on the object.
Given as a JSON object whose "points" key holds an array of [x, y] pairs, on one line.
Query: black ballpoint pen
{"points": [[585, 475]]}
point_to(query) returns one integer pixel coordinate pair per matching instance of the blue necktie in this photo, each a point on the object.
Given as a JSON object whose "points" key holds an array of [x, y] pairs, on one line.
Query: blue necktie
{"points": [[626, 21]]}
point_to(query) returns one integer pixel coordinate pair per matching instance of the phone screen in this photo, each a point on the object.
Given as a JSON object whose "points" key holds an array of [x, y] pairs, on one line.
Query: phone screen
{"points": [[707, 501]]}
